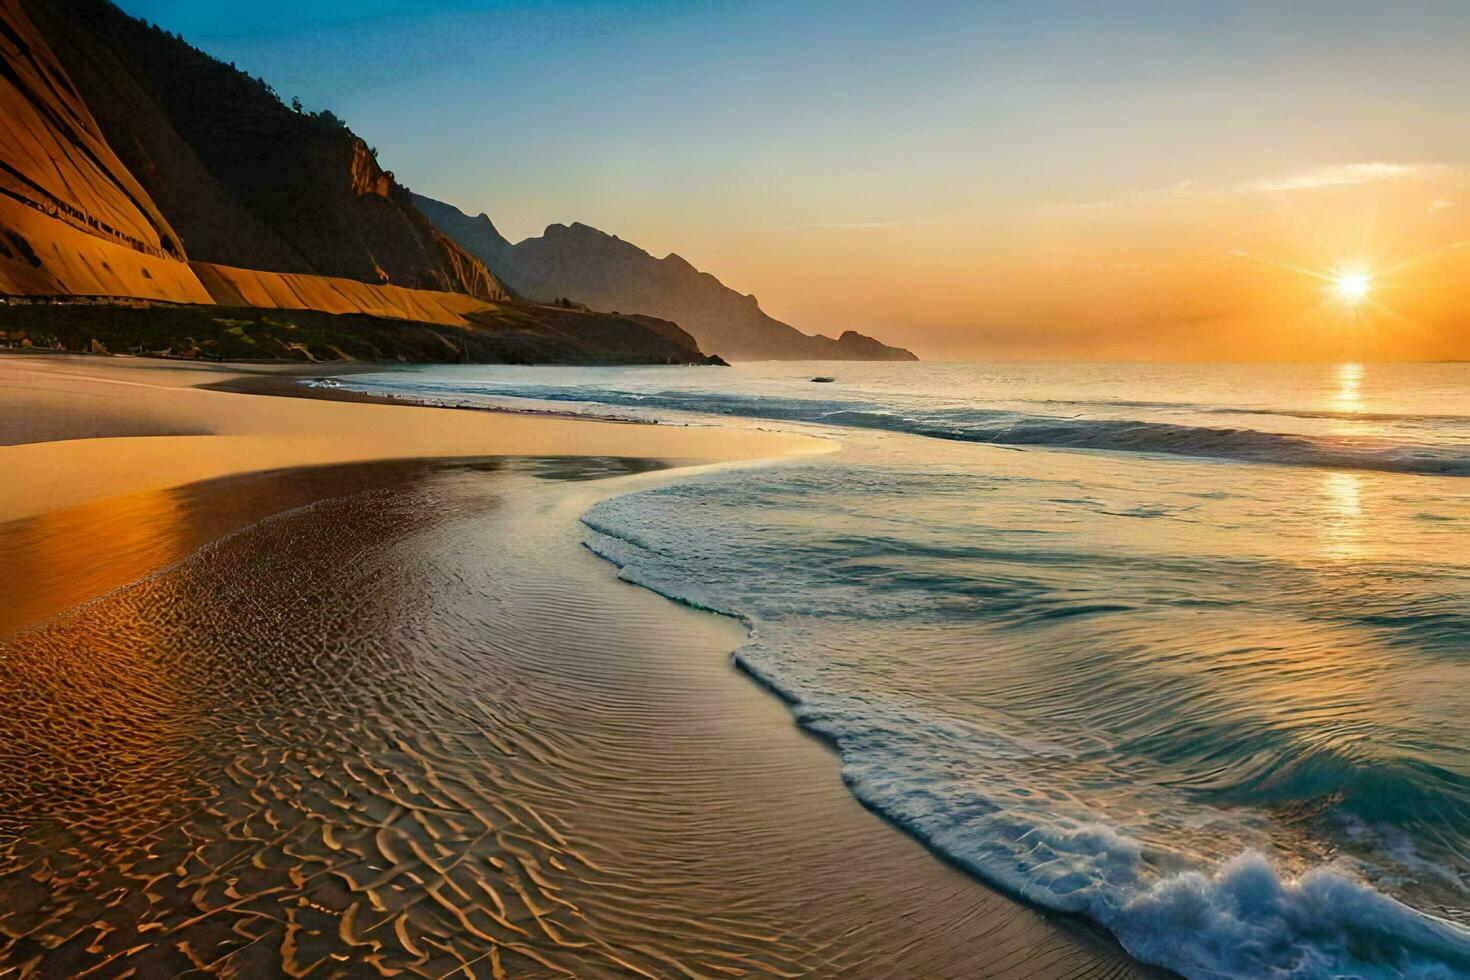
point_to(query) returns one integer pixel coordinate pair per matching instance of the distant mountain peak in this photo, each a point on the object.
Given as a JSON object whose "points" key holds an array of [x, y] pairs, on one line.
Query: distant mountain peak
{"points": [[588, 265], [578, 230]]}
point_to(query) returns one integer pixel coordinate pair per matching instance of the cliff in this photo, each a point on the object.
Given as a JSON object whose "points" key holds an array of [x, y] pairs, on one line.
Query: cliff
{"points": [[603, 271], [246, 180], [73, 219], [156, 201]]}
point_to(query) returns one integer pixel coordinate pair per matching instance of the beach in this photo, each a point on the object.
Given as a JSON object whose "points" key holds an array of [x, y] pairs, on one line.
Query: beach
{"points": [[331, 687], [148, 426], [734, 490], [1174, 648]]}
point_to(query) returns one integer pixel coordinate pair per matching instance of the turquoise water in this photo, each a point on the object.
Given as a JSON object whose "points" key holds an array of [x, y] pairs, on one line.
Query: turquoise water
{"points": [[1185, 649]]}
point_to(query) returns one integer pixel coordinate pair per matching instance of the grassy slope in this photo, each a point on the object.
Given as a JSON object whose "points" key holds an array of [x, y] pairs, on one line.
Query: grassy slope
{"points": [[508, 334]]}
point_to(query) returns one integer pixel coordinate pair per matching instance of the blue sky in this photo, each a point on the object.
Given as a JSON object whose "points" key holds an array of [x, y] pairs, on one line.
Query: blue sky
{"points": [[732, 131]]}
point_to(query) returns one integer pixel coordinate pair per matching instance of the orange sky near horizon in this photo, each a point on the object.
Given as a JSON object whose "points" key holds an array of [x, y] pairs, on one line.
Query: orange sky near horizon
{"points": [[1240, 272], [1008, 180]]}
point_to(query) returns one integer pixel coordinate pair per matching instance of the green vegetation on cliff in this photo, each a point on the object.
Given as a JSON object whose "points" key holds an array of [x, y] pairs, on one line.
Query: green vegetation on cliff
{"points": [[505, 334]]}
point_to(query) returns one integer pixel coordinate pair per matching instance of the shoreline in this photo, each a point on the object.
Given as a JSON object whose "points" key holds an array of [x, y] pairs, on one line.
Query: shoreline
{"points": [[997, 937], [73, 441], [290, 386]]}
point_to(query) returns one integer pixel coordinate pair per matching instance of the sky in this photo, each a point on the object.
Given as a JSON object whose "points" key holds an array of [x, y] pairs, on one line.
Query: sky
{"points": [[983, 180]]}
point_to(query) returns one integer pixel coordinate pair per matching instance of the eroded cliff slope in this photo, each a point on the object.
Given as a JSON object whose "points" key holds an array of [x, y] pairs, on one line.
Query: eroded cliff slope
{"points": [[246, 180], [165, 177], [72, 217]]}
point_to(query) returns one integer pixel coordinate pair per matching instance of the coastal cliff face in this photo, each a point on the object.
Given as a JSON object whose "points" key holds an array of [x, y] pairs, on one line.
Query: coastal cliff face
{"points": [[589, 266], [367, 177], [134, 166], [246, 180], [136, 170], [73, 219]]}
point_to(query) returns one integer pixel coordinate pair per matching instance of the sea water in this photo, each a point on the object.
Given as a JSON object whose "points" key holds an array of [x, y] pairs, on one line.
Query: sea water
{"points": [[1184, 649]]}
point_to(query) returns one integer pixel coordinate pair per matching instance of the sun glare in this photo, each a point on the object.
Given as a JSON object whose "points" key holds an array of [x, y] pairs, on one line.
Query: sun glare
{"points": [[1352, 286]]}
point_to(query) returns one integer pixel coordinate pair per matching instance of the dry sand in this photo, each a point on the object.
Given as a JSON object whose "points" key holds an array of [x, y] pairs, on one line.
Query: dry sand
{"points": [[147, 426], [416, 727]]}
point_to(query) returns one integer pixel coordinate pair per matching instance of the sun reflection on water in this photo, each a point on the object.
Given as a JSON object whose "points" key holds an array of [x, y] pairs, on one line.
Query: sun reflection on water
{"points": [[1347, 395], [1342, 510]]}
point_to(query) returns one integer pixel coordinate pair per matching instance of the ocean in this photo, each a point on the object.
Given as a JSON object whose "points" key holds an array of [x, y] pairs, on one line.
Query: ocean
{"points": [[1184, 649]]}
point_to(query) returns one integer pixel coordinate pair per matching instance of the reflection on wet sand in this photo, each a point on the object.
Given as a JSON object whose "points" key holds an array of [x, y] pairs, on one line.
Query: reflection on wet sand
{"points": [[345, 741], [52, 562], [56, 560]]}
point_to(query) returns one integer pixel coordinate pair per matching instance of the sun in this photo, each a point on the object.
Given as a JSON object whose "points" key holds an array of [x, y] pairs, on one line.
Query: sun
{"points": [[1352, 286]]}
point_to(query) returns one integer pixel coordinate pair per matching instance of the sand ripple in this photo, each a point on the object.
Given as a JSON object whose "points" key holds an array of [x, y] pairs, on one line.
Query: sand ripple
{"points": [[391, 733]]}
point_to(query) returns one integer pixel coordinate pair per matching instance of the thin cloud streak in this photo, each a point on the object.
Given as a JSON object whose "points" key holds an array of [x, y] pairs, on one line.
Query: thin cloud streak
{"points": [[1334, 176], [1346, 175], [863, 225]]}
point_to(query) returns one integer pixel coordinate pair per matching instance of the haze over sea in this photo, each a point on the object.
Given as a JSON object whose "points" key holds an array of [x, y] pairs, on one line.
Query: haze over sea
{"points": [[1182, 648]]}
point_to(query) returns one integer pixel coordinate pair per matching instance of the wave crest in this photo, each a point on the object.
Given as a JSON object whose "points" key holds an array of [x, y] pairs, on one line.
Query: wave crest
{"points": [[979, 425], [933, 775]]}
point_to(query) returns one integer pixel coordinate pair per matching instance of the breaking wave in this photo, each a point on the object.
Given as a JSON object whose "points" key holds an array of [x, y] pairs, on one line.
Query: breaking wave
{"points": [[978, 425], [977, 792]]}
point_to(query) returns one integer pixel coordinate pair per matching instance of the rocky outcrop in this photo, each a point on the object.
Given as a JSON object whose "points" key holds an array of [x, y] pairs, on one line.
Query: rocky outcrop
{"points": [[603, 271], [367, 177], [246, 180]]}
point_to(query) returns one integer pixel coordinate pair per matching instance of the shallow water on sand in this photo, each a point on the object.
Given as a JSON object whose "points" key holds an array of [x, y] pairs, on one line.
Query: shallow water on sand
{"points": [[1183, 648], [418, 728]]}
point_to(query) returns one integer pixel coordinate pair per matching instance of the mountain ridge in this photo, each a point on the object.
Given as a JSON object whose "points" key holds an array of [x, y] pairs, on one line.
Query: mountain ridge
{"points": [[579, 262], [156, 200]]}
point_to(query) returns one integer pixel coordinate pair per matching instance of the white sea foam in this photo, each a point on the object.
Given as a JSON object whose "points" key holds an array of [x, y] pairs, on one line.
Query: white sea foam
{"points": [[970, 791], [1242, 919], [1217, 709], [982, 425]]}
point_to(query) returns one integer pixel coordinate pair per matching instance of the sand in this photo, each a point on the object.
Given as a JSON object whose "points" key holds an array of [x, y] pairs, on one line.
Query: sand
{"points": [[147, 426], [414, 726]]}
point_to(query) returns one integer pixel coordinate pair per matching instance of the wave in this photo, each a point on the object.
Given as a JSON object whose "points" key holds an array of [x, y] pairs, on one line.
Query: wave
{"points": [[926, 773], [1242, 918], [1336, 415], [1173, 439], [986, 426]]}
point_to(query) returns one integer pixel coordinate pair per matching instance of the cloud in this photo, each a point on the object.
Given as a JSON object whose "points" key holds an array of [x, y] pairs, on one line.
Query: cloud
{"points": [[865, 225], [1345, 175], [1442, 204], [1336, 175]]}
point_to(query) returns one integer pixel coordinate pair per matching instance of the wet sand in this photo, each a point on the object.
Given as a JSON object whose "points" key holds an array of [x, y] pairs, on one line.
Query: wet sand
{"points": [[416, 726], [74, 430]]}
